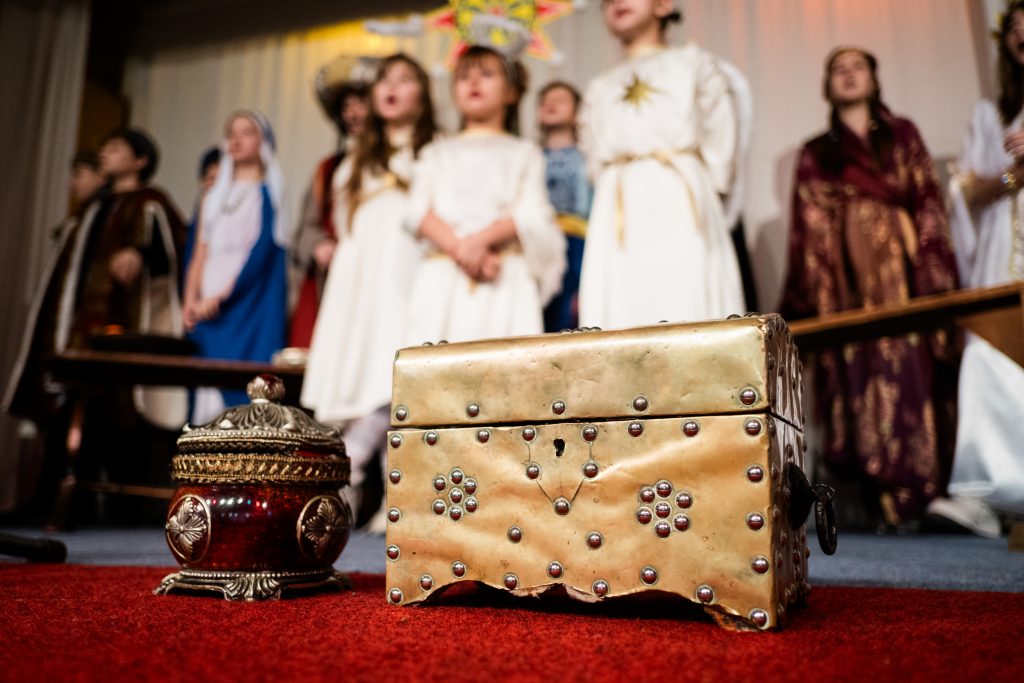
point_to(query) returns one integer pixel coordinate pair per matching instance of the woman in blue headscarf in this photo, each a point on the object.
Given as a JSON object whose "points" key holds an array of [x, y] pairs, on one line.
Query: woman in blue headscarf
{"points": [[235, 293]]}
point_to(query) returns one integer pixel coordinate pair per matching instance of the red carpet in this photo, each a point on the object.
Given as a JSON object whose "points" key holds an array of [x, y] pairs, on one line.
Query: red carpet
{"points": [[102, 623]]}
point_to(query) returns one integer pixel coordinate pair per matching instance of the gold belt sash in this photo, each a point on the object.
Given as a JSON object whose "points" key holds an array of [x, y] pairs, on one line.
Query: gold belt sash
{"points": [[512, 247], [572, 225], [664, 157]]}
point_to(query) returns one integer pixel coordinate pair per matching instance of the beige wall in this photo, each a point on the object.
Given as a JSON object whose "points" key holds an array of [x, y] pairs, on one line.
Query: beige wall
{"points": [[928, 50]]}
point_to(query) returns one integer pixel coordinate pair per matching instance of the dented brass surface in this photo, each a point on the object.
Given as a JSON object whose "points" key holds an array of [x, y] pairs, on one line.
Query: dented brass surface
{"points": [[682, 491], [699, 368]]}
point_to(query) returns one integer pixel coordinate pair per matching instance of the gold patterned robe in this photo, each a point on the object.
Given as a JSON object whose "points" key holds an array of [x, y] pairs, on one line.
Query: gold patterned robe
{"points": [[869, 231]]}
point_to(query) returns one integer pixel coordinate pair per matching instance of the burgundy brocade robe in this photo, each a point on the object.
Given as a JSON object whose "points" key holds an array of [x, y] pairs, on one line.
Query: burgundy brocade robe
{"points": [[866, 234]]}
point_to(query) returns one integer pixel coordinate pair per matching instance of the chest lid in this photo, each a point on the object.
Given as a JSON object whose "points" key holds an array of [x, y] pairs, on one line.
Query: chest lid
{"points": [[741, 365]]}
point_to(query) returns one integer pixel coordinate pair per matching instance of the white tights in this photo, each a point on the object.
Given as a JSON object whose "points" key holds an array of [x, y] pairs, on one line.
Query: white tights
{"points": [[363, 437]]}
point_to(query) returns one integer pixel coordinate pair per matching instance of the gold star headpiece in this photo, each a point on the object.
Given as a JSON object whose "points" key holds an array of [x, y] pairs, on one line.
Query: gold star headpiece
{"points": [[509, 27]]}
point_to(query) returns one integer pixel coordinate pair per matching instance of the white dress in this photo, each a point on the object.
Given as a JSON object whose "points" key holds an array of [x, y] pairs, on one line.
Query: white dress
{"points": [[470, 181], [364, 309], [229, 238], [989, 461], [660, 132]]}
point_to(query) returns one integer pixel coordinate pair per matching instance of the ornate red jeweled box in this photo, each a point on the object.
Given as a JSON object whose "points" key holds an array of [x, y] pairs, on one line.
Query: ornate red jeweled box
{"points": [[665, 458], [257, 509]]}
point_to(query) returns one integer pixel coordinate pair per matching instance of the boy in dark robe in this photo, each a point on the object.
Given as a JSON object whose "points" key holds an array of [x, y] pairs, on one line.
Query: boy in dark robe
{"points": [[115, 271]]}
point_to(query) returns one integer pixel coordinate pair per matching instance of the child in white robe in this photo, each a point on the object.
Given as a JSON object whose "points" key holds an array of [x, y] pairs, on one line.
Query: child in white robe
{"points": [[363, 313], [660, 133], [479, 204], [986, 222]]}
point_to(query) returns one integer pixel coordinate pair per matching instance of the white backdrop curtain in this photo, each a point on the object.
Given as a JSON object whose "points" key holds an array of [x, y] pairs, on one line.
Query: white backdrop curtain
{"points": [[928, 51], [42, 50]]}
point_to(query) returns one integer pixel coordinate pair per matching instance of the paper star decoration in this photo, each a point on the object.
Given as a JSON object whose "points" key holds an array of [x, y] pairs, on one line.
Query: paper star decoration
{"points": [[510, 27]]}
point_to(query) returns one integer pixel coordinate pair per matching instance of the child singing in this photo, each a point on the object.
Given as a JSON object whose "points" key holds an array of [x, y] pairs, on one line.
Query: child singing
{"points": [[480, 204], [364, 308], [660, 133]]}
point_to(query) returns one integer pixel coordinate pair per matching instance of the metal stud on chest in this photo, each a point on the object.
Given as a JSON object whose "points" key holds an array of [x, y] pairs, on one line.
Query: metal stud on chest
{"points": [[649, 575], [755, 520]]}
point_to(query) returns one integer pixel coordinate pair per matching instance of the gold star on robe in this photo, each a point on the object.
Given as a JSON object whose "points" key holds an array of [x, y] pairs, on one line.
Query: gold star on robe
{"points": [[638, 92]]}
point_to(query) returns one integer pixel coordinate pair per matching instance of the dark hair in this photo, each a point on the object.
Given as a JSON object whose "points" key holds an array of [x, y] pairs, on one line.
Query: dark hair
{"points": [[576, 99], [142, 146], [86, 157], [1011, 90], [555, 85], [673, 17], [880, 134], [359, 91], [211, 157], [373, 149], [515, 75]]}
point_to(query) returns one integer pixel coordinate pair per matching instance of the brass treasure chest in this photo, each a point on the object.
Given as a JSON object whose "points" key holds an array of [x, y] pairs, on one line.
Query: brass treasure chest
{"points": [[661, 458]]}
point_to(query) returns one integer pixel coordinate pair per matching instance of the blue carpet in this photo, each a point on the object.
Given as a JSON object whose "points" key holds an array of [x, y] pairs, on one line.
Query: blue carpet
{"points": [[924, 561]]}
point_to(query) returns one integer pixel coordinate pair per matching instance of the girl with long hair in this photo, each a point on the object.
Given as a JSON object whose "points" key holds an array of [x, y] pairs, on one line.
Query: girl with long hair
{"points": [[869, 228], [363, 313]]}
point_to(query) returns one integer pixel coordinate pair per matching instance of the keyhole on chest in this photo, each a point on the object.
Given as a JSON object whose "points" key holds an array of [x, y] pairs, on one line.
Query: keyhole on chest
{"points": [[559, 448]]}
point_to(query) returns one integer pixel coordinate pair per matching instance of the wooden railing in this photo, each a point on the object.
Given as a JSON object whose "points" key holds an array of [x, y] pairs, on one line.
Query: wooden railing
{"points": [[994, 311], [158, 370]]}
